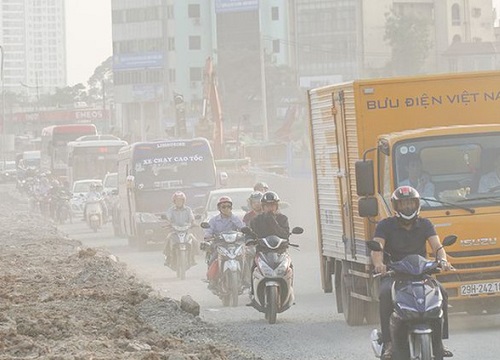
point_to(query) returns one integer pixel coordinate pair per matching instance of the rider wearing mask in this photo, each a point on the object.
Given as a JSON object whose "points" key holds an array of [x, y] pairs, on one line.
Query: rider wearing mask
{"points": [[255, 207], [271, 221], [179, 215], [401, 235], [224, 221]]}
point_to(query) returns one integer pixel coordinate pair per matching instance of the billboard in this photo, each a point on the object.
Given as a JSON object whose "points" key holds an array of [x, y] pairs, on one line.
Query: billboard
{"points": [[151, 60], [224, 6]]}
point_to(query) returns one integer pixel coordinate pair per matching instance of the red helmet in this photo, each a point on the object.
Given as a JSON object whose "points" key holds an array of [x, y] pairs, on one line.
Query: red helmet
{"points": [[224, 199], [406, 203], [178, 195]]}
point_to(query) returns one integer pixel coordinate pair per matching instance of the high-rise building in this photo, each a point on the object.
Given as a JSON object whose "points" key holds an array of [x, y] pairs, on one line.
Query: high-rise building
{"points": [[33, 41]]}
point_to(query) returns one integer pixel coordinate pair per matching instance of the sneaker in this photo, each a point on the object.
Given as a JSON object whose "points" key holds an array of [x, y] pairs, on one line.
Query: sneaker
{"points": [[387, 354]]}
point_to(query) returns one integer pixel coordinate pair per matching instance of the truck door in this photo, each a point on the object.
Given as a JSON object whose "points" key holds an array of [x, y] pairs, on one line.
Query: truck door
{"points": [[339, 116]]}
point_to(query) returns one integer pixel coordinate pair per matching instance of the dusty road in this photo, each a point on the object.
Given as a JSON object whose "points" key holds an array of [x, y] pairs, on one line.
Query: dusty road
{"points": [[309, 330]]}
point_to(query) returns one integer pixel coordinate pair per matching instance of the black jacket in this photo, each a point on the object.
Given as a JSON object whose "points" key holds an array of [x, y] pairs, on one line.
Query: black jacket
{"points": [[267, 224]]}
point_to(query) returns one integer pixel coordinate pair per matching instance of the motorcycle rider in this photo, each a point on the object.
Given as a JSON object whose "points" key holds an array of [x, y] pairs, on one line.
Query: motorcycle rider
{"points": [[224, 221], [179, 214], [270, 222], [255, 207], [95, 193], [261, 187], [403, 234]]}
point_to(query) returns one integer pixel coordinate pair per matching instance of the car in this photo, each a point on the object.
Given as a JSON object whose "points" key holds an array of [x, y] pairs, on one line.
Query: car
{"points": [[8, 171], [80, 190], [238, 195], [110, 183]]}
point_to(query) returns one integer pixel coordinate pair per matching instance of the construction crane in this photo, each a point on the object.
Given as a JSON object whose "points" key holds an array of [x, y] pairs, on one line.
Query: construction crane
{"points": [[210, 124]]}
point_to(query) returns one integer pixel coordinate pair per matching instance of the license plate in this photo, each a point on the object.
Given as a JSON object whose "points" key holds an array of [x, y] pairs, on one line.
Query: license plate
{"points": [[481, 288]]}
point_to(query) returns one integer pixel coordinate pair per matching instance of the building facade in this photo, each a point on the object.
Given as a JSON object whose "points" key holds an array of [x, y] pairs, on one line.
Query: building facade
{"points": [[34, 45]]}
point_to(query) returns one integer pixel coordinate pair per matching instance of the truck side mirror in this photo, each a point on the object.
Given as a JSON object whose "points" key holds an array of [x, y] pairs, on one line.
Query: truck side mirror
{"points": [[365, 183], [368, 207], [223, 177]]}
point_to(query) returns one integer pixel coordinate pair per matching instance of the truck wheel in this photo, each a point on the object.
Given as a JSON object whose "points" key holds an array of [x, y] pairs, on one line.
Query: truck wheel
{"points": [[353, 308]]}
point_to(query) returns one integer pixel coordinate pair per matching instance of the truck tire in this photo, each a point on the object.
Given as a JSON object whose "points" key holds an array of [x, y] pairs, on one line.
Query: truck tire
{"points": [[353, 308]]}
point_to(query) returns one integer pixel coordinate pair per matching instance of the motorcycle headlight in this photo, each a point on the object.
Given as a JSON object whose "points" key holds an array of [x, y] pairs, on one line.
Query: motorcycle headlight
{"points": [[223, 251], [230, 237], [281, 269], [264, 268]]}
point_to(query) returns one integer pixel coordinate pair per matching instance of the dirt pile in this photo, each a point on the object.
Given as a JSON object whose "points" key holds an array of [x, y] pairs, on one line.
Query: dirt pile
{"points": [[61, 301]]}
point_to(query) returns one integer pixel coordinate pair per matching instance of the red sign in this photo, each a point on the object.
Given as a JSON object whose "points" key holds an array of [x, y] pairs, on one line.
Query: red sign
{"points": [[52, 117]]}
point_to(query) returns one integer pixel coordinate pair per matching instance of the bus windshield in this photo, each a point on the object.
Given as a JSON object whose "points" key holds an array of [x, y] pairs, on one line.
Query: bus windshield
{"points": [[93, 162], [188, 164]]}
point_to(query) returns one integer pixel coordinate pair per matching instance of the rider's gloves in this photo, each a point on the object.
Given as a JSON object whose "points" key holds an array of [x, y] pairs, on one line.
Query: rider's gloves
{"points": [[445, 265]]}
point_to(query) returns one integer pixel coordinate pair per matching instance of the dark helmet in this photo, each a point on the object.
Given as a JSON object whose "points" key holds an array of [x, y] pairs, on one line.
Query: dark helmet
{"points": [[261, 187], [270, 197], [406, 203]]}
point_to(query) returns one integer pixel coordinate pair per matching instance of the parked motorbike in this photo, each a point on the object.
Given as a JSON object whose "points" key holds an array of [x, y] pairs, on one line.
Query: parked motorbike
{"points": [[416, 323], [94, 213], [228, 268], [180, 245], [272, 277]]}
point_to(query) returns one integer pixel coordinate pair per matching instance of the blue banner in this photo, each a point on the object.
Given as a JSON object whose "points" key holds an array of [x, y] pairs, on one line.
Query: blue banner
{"points": [[152, 60]]}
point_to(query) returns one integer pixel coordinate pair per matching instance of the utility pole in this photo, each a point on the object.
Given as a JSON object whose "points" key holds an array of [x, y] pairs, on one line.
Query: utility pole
{"points": [[180, 115], [2, 133], [265, 131]]}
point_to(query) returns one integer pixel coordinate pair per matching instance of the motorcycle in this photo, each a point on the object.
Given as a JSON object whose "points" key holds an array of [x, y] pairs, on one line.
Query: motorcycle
{"points": [[228, 268], [272, 276], [180, 247], [416, 323], [94, 213], [62, 211]]}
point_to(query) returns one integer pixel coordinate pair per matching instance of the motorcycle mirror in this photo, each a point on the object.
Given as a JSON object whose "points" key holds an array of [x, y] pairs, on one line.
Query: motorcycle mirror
{"points": [[297, 230], [246, 230], [205, 225], [450, 240], [374, 245]]}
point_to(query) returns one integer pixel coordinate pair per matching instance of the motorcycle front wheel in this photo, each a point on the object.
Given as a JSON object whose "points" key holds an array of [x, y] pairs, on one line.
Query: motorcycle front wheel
{"points": [[422, 346], [233, 288], [272, 304], [181, 264]]}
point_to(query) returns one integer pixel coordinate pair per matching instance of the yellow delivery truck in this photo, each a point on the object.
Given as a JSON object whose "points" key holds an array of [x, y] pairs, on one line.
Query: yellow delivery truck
{"points": [[364, 134]]}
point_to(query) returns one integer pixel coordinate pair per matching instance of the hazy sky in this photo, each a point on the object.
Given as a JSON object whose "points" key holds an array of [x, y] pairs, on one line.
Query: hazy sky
{"points": [[88, 37]]}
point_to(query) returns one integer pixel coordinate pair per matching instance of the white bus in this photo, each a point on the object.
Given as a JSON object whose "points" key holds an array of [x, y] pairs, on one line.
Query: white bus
{"points": [[93, 156]]}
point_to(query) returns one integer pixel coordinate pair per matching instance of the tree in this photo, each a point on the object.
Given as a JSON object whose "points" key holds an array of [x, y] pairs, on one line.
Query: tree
{"points": [[101, 79], [408, 35]]}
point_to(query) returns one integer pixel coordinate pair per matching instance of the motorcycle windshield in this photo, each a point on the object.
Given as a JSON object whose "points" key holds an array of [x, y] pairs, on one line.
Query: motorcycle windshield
{"points": [[273, 242], [413, 265]]}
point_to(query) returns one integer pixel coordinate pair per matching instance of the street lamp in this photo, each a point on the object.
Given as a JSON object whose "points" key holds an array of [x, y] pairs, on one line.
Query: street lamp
{"points": [[37, 101]]}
